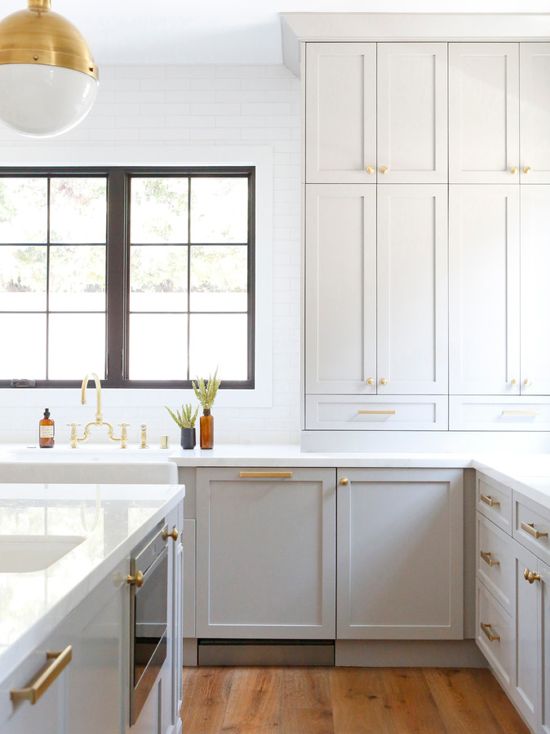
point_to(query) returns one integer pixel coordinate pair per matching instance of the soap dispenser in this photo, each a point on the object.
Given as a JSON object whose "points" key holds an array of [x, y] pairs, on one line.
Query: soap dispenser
{"points": [[46, 431]]}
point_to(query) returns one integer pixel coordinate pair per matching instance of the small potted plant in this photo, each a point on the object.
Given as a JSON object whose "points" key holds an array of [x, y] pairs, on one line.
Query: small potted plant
{"points": [[186, 419], [205, 392]]}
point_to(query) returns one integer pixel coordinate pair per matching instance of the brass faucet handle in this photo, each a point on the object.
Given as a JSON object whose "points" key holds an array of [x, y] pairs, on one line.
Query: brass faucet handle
{"points": [[123, 435], [74, 434], [143, 437]]}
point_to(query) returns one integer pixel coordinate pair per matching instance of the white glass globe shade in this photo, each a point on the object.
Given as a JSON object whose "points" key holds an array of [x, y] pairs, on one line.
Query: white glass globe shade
{"points": [[43, 101]]}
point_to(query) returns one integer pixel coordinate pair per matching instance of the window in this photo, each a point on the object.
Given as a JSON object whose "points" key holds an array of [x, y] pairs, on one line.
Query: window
{"points": [[144, 276]]}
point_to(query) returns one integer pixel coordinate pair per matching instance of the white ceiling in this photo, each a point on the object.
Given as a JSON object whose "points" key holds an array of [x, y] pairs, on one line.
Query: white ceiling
{"points": [[222, 31]]}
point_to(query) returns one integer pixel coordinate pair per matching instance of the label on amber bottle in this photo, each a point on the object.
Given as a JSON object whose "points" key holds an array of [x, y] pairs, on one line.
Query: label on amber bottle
{"points": [[46, 431]]}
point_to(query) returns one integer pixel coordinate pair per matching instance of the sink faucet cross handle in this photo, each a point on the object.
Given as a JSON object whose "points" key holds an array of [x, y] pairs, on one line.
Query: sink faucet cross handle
{"points": [[93, 376]]}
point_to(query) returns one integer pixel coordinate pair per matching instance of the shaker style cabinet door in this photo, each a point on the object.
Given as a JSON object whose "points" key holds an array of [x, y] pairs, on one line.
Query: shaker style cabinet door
{"points": [[340, 264], [412, 290], [544, 650], [341, 113], [535, 112], [484, 279], [535, 293], [412, 112], [484, 113]]}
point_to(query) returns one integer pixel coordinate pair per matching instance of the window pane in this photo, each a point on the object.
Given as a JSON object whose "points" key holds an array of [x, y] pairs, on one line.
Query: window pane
{"points": [[23, 210], [158, 278], [219, 278], [219, 342], [219, 210], [158, 211], [77, 278], [77, 345], [23, 340], [78, 210], [158, 347], [23, 278]]}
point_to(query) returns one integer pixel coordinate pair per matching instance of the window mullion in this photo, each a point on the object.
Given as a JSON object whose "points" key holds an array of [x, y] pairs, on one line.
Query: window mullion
{"points": [[116, 277]]}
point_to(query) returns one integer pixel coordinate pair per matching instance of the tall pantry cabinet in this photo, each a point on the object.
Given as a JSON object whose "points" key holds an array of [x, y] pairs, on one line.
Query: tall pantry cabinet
{"points": [[427, 236]]}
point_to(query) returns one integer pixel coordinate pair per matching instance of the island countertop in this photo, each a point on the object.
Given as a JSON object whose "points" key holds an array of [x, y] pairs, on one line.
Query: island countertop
{"points": [[107, 521]]}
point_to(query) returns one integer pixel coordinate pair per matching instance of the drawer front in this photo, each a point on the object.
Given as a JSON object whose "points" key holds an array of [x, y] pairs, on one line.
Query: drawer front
{"points": [[376, 413], [495, 635], [471, 413], [494, 500], [495, 561], [532, 529]]}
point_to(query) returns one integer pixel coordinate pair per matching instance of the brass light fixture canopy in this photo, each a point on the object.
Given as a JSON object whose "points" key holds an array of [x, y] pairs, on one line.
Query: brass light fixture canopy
{"points": [[39, 36]]}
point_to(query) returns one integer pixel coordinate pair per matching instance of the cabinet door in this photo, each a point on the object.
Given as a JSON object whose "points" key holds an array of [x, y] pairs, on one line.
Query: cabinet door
{"points": [[266, 553], [412, 112], [535, 293], [484, 290], [535, 112], [544, 651], [400, 537], [341, 289], [525, 682], [341, 113], [412, 289], [484, 112]]}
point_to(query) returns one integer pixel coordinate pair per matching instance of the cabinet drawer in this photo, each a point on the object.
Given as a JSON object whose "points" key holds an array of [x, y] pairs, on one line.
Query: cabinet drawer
{"points": [[494, 500], [498, 413], [376, 413], [495, 561], [495, 635], [532, 527]]}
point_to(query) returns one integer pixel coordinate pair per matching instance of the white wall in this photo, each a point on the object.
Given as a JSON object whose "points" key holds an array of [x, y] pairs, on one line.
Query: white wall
{"points": [[161, 108]]}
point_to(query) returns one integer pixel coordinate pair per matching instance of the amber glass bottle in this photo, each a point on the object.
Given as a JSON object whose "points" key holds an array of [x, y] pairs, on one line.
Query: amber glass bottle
{"points": [[46, 431], [207, 429]]}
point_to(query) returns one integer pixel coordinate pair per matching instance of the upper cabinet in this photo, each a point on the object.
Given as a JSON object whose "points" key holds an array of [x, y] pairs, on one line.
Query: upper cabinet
{"points": [[370, 119], [484, 113], [341, 113], [412, 112], [535, 112]]}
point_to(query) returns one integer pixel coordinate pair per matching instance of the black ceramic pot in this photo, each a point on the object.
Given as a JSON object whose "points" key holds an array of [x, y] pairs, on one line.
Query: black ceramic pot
{"points": [[188, 438]]}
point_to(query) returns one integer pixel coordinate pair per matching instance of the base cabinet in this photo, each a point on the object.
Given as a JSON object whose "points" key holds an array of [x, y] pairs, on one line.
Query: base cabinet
{"points": [[400, 550], [544, 651]]}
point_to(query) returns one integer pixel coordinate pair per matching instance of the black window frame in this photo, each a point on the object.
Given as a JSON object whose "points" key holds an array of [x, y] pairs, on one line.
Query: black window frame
{"points": [[117, 293]]}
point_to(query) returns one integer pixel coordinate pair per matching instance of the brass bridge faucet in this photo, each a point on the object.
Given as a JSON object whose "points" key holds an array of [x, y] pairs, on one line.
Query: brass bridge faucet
{"points": [[75, 439]]}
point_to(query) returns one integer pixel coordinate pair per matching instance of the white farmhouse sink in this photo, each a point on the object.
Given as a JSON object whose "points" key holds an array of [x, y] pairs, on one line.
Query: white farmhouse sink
{"points": [[26, 553]]}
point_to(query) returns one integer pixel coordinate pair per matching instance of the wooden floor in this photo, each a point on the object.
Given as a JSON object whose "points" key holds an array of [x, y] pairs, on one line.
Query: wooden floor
{"points": [[346, 701]]}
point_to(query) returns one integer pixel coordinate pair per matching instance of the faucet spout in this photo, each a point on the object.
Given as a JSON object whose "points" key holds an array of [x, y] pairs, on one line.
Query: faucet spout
{"points": [[93, 376]]}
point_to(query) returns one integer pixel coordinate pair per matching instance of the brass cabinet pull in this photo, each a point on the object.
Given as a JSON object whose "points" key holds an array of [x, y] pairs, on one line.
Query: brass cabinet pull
{"points": [[513, 170], [265, 475], [136, 580], [383, 169], [524, 413], [531, 576], [174, 534], [376, 412], [36, 690], [488, 558], [529, 528], [488, 632], [344, 481], [370, 170], [488, 500], [526, 169], [370, 380]]}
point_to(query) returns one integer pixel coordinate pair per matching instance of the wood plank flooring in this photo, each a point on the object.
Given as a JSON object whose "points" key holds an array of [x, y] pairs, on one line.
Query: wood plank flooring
{"points": [[346, 701]]}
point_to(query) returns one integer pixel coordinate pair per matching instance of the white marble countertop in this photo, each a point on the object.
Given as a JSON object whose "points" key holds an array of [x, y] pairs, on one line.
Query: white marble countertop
{"points": [[111, 519]]}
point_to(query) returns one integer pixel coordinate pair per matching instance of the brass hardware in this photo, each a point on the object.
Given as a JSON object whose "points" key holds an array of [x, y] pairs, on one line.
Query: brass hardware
{"points": [[376, 412], [513, 381], [136, 580], [37, 689], [531, 576], [370, 381], [513, 170], [265, 475], [519, 413], [143, 437], [174, 534], [344, 481], [370, 170], [488, 558], [75, 439], [488, 500], [383, 169], [37, 35], [74, 434], [526, 169], [488, 632], [383, 380], [164, 444], [526, 382], [529, 528]]}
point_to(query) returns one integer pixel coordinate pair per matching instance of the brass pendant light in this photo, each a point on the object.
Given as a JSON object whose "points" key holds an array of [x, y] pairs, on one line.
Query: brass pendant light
{"points": [[63, 85]]}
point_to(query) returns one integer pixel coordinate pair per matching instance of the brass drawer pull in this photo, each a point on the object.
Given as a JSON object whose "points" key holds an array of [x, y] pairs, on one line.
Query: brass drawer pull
{"points": [[529, 528], [488, 558], [488, 500], [265, 475], [488, 632], [531, 576], [34, 692], [376, 412]]}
